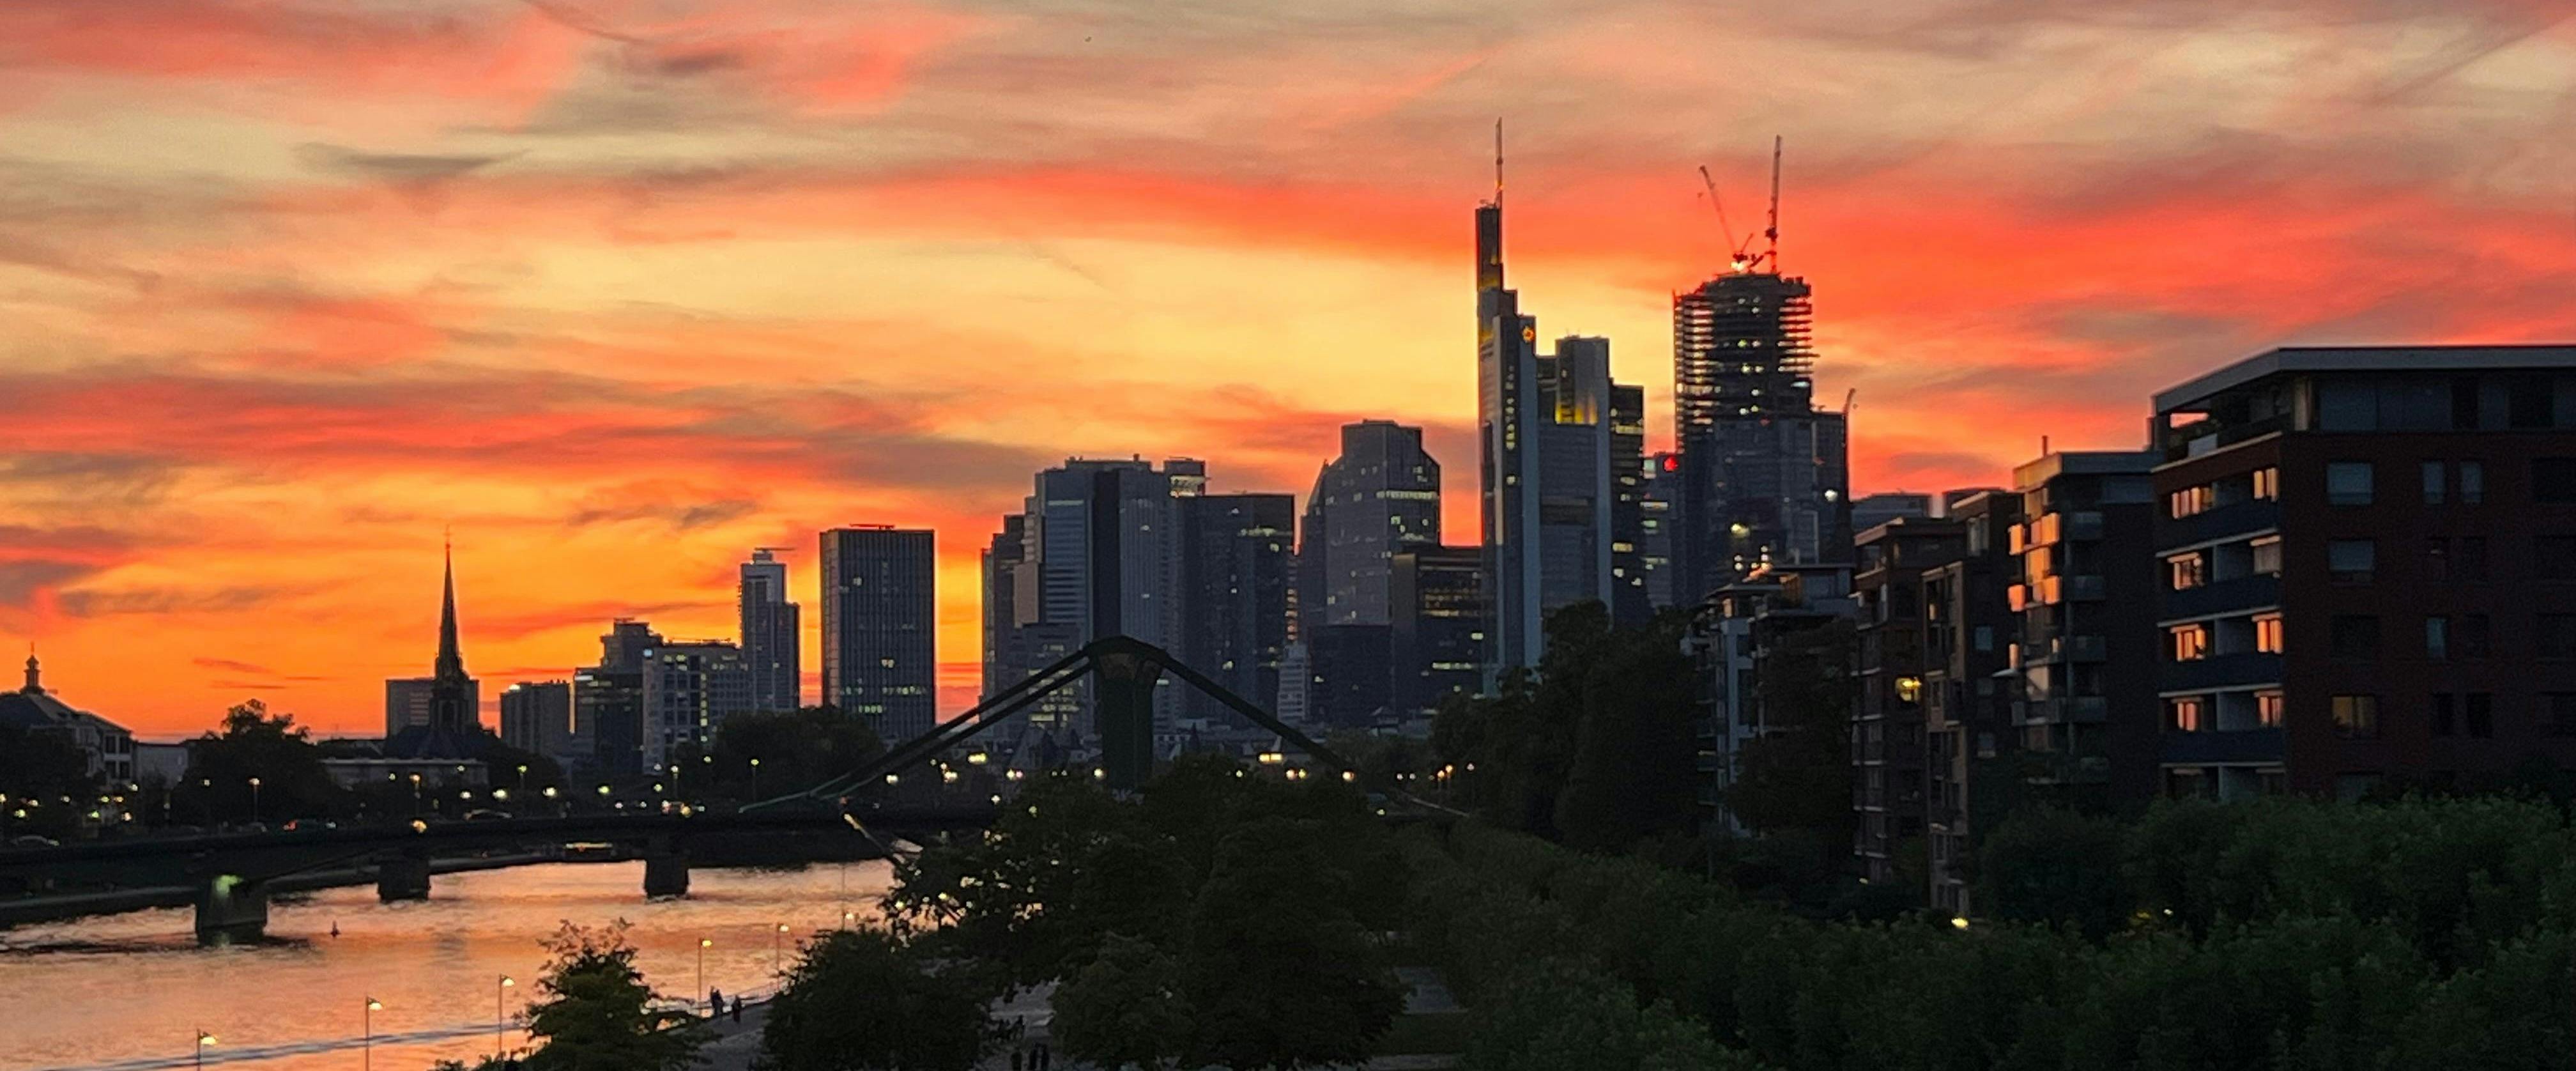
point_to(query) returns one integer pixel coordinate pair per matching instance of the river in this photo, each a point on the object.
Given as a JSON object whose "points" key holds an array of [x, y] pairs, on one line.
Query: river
{"points": [[130, 992]]}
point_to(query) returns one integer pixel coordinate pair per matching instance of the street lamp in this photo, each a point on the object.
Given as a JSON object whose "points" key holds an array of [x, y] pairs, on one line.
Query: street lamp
{"points": [[203, 1039], [703, 944], [755, 778], [499, 994], [254, 799], [777, 960], [367, 1023], [523, 777]]}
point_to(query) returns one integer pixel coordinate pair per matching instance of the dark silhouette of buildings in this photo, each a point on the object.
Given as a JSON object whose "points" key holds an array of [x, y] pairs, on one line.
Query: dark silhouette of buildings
{"points": [[770, 633], [880, 628], [2367, 564], [1764, 473], [1236, 567], [1968, 630], [2086, 653], [608, 700], [1889, 563], [1380, 498], [1437, 636], [536, 716], [453, 725]]}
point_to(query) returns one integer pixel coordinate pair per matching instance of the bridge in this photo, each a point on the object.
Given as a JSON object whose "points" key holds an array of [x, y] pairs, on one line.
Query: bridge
{"points": [[227, 878]]}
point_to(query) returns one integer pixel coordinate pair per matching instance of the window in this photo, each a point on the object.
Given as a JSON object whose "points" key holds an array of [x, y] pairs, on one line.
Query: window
{"points": [[1983, 639], [2353, 636], [2267, 484], [2437, 559], [2187, 571], [2437, 638], [2472, 559], [2553, 557], [2267, 633], [2472, 636], [2356, 717], [2351, 561], [2480, 709], [2473, 483], [2349, 483], [2189, 502], [2555, 636], [2437, 478], [2445, 720], [2184, 713], [2553, 479], [2266, 556], [2267, 709], [2190, 642], [2561, 710]]}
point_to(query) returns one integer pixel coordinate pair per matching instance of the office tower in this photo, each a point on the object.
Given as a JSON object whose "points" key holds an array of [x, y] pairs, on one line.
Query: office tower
{"points": [[2368, 567], [1097, 554], [1659, 494], [880, 628], [2087, 649], [1764, 473], [690, 688], [1235, 576], [536, 716], [1968, 631], [1888, 565], [769, 633], [1353, 675], [1438, 598], [443, 713], [1555, 434], [608, 701], [1381, 497]]}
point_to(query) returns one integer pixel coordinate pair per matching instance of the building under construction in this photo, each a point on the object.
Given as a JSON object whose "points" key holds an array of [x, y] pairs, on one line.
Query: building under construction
{"points": [[1764, 473]]}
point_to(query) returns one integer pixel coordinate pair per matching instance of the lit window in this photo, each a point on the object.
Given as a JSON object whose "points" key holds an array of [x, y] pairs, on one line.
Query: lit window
{"points": [[2183, 713], [2190, 642], [2187, 571], [2267, 633], [2189, 502], [2267, 709], [2356, 717], [2267, 483], [2266, 556]]}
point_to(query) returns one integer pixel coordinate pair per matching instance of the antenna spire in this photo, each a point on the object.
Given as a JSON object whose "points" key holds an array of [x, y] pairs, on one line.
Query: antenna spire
{"points": [[1498, 161]]}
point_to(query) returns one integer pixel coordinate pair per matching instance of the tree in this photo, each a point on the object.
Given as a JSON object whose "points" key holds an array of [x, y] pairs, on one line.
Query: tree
{"points": [[797, 749], [861, 1000], [596, 1013], [253, 744], [1798, 774], [1634, 773], [1557, 1014], [1125, 1008], [1276, 966], [46, 775]]}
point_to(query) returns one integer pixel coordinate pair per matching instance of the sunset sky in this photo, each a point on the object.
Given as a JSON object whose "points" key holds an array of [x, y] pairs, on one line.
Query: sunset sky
{"points": [[622, 288]]}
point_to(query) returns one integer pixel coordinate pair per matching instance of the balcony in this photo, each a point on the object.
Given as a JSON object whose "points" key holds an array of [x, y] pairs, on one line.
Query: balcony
{"points": [[2244, 746], [2225, 596], [2055, 649], [2056, 589], [2220, 671], [2233, 519], [2085, 709]]}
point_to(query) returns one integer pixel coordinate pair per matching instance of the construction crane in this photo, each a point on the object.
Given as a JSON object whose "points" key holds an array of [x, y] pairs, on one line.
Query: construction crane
{"points": [[1848, 397], [1743, 259]]}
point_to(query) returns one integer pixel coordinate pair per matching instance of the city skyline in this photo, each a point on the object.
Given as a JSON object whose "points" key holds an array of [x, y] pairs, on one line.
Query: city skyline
{"points": [[261, 348]]}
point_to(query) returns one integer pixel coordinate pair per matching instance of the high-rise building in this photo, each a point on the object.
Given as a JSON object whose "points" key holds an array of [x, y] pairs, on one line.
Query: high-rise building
{"points": [[441, 715], [1353, 676], [1764, 473], [1889, 562], [1380, 498], [770, 633], [608, 701], [1659, 499], [2086, 596], [880, 628], [2367, 564], [1235, 575], [1967, 708], [536, 716], [1438, 597], [1763, 624], [1556, 437], [690, 688]]}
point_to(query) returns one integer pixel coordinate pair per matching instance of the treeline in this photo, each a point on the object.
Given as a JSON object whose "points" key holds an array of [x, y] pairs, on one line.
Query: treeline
{"points": [[2282, 936]]}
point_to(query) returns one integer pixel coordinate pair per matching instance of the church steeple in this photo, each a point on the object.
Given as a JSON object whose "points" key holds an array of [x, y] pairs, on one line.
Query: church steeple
{"points": [[34, 686], [451, 657]]}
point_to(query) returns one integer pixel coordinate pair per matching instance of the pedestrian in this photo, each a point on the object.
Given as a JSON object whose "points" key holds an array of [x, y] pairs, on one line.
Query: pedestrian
{"points": [[737, 1007], [715, 1002]]}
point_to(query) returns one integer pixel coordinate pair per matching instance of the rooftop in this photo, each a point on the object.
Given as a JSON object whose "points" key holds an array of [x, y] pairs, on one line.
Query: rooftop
{"points": [[2363, 359]]}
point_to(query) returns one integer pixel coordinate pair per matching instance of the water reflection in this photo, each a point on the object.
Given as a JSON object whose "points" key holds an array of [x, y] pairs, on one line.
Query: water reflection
{"points": [[135, 987]]}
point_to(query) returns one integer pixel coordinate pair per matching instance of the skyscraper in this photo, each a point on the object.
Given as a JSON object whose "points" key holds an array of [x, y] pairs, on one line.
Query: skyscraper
{"points": [[1438, 633], [608, 700], [1097, 554], [1764, 473], [1380, 498], [1235, 575], [689, 689], [769, 633], [880, 626], [536, 716], [1556, 437]]}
